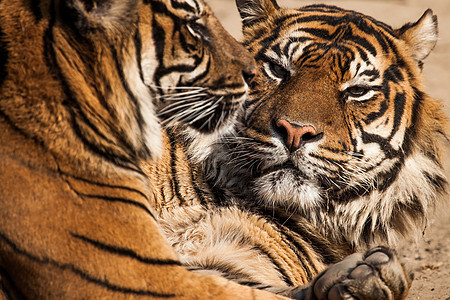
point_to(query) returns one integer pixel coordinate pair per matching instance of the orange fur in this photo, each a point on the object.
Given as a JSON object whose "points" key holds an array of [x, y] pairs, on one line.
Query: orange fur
{"points": [[76, 117]]}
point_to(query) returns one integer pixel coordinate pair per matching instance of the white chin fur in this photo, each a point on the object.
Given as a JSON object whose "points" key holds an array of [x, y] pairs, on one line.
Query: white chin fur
{"points": [[284, 189], [201, 144]]}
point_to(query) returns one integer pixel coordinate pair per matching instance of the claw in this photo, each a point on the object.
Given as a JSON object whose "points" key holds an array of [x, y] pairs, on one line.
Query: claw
{"points": [[361, 271], [377, 258], [339, 292]]}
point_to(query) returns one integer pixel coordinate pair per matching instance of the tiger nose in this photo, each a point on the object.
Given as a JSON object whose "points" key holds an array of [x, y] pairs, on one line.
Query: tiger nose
{"points": [[294, 136], [249, 74]]}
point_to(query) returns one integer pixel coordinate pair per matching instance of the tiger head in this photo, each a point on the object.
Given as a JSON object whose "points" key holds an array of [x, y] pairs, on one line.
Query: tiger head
{"points": [[112, 65], [337, 126]]}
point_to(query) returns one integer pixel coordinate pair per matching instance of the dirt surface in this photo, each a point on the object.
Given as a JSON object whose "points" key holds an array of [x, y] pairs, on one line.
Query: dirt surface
{"points": [[429, 255]]}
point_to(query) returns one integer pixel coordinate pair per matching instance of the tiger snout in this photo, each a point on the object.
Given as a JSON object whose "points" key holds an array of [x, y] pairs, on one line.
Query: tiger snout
{"points": [[295, 135]]}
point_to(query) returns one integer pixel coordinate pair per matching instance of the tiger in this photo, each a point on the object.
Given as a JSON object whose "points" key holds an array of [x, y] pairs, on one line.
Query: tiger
{"points": [[80, 85], [334, 157]]}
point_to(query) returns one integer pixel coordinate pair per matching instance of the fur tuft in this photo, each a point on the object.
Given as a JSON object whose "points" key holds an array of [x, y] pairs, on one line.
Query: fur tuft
{"points": [[251, 11]]}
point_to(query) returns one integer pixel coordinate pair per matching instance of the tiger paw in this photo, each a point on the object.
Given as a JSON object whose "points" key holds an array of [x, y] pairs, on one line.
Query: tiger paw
{"points": [[377, 274]]}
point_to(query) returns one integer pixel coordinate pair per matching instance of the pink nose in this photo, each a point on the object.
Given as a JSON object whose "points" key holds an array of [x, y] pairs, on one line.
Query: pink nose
{"points": [[295, 136]]}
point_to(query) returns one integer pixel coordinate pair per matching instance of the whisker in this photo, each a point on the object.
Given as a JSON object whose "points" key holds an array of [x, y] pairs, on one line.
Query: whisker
{"points": [[178, 87], [178, 105], [182, 96]]}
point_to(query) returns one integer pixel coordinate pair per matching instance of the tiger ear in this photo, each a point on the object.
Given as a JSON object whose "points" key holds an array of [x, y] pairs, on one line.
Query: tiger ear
{"points": [[421, 36], [253, 11], [108, 15]]}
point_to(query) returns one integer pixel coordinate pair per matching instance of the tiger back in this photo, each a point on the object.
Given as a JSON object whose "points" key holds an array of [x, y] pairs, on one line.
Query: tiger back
{"points": [[79, 88]]}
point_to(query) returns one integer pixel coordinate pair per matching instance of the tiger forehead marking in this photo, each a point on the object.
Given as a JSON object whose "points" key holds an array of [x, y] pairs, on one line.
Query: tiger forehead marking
{"points": [[189, 9], [305, 31]]}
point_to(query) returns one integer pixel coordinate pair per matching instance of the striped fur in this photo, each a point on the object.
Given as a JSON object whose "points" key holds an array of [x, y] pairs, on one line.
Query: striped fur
{"points": [[215, 234], [80, 85], [254, 209], [372, 171]]}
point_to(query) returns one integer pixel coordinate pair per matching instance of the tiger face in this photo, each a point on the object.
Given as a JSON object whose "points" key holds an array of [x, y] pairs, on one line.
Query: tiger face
{"points": [[189, 83], [122, 61], [337, 126]]}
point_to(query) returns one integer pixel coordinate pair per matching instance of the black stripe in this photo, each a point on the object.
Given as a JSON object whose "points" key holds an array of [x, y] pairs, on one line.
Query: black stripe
{"points": [[438, 182], [179, 40], [298, 41], [138, 47], [301, 252], [126, 252], [399, 109], [278, 267], [163, 194], [182, 5], [372, 74], [377, 114], [79, 117], [203, 74], [118, 199], [317, 242], [159, 36], [20, 131], [199, 192], [411, 132], [363, 56], [363, 43], [173, 167], [3, 56], [393, 73], [229, 271], [254, 284], [121, 187], [219, 85], [297, 229], [35, 8], [86, 276], [9, 287], [181, 68], [334, 150], [384, 144]]}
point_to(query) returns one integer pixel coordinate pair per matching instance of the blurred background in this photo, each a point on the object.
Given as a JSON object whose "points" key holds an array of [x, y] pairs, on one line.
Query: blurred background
{"points": [[429, 256]]}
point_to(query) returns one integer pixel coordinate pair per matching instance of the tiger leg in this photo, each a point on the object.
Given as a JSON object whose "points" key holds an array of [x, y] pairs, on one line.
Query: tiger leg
{"points": [[377, 274]]}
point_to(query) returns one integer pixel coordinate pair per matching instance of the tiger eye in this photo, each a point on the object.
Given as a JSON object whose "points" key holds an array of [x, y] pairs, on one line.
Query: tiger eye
{"points": [[357, 91], [278, 71]]}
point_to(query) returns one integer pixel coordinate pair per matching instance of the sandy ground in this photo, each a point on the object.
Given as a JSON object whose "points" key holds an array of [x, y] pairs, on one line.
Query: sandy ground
{"points": [[429, 256]]}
